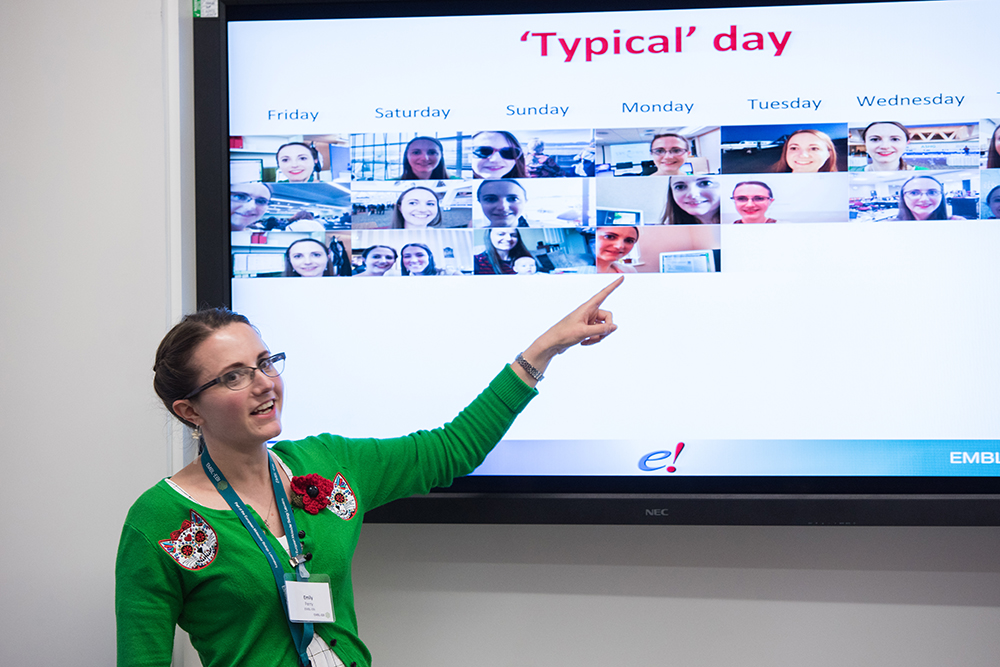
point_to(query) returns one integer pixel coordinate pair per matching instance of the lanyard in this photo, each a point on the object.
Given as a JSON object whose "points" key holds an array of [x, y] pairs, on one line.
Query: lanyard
{"points": [[302, 633]]}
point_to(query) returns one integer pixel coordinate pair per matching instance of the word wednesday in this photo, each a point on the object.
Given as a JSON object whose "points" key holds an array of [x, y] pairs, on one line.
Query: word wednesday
{"points": [[426, 112]]}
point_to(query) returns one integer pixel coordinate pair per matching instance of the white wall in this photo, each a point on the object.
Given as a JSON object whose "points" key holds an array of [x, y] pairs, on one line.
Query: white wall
{"points": [[95, 253]]}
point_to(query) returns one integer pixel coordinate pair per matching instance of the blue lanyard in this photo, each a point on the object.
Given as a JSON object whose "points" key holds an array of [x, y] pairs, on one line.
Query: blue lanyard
{"points": [[302, 633]]}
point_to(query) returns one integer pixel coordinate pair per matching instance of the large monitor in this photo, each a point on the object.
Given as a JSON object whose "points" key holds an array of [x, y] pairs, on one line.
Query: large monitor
{"points": [[804, 198]]}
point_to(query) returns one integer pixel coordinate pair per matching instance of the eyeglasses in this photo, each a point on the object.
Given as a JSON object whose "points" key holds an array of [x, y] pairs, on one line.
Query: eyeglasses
{"points": [[914, 194], [243, 198], [241, 378], [756, 199], [673, 152], [509, 153]]}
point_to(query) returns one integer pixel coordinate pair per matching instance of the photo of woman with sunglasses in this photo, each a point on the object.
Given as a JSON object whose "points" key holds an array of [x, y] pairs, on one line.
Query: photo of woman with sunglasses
{"points": [[497, 154]]}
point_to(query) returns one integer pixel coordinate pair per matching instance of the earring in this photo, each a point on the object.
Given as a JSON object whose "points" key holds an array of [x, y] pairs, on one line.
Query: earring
{"points": [[196, 434]]}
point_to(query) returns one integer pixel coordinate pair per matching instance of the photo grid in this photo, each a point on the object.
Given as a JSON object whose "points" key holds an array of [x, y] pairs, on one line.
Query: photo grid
{"points": [[604, 200]]}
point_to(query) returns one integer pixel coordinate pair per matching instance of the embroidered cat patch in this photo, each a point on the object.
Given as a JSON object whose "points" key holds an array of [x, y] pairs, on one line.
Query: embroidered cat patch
{"points": [[342, 500], [194, 545]]}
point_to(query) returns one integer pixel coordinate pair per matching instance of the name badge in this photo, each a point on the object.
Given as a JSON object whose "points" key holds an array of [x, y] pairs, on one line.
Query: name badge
{"points": [[309, 602]]}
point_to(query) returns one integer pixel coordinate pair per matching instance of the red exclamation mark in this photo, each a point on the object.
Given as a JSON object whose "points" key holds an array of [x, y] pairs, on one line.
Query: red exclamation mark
{"points": [[677, 452]]}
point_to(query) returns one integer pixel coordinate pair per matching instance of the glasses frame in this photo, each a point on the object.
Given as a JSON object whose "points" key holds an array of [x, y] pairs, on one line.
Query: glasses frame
{"points": [[244, 198], [280, 356], [672, 152], [754, 199], [512, 150]]}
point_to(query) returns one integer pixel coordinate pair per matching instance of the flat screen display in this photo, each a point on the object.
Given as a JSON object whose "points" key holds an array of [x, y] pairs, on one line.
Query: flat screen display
{"points": [[804, 201]]}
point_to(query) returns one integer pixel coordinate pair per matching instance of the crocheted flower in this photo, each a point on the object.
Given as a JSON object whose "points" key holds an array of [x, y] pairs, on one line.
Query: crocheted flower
{"points": [[311, 492]]}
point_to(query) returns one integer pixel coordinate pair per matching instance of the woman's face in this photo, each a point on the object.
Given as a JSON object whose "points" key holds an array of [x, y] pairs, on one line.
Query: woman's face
{"points": [[251, 415], [296, 163], [487, 162], [308, 259], [247, 203], [994, 203], [423, 156], [613, 243], [380, 259], [418, 207], [501, 203], [668, 154], [697, 195], [885, 144], [806, 153], [504, 240], [922, 196], [996, 140], [752, 202], [415, 259]]}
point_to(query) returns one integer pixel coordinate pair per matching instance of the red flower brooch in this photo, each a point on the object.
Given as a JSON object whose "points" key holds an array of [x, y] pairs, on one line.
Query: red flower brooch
{"points": [[311, 492]]}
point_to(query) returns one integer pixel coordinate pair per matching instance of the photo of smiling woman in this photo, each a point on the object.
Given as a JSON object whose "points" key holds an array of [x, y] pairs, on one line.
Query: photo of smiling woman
{"points": [[669, 152], [611, 245], [922, 198], [298, 162], [752, 199], [247, 204], [885, 144], [376, 260], [692, 200], [503, 247], [423, 160], [807, 152], [502, 201], [497, 154], [417, 260], [308, 258], [416, 208]]}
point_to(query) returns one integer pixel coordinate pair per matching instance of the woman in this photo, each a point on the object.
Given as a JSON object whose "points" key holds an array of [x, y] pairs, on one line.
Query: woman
{"points": [[885, 143], [922, 198], [417, 260], [669, 152], [247, 204], [497, 154], [308, 258], [807, 152], [503, 247], [377, 260], [692, 200], [993, 152], [993, 201], [186, 557], [501, 201], [298, 162], [752, 199], [538, 164], [423, 160], [611, 246], [416, 208]]}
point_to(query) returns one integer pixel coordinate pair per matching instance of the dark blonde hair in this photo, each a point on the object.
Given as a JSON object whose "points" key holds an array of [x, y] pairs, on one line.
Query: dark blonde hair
{"points": [[292, 273], [864, 136]]}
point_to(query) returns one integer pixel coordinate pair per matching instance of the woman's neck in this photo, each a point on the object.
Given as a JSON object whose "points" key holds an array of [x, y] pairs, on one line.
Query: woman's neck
{"points": [[503, 254], [247, 469]]}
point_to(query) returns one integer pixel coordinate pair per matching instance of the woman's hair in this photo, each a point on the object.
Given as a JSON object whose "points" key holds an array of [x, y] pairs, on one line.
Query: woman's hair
{"points": [[760, 183], [831, 161], [173, 376], [440, 171], [479, 190], [518, 170], [431, 270], [673, 214], [519, 249], [687, 144], [367, 251], [993, 158], [397, 215], [317, 163], [940, 213], [990, 194], [864, 135], [340, 258], [291, 273]]}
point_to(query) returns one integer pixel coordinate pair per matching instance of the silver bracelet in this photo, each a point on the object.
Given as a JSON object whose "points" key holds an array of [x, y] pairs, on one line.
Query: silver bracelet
{"points": [[528, 368]]}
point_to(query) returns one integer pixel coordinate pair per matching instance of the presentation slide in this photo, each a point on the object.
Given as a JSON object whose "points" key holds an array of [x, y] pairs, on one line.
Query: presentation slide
{"points": [[803, 201]]}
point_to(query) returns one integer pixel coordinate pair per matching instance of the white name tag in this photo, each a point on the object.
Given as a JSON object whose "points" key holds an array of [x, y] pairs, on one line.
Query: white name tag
{"points": [[309, 602]]}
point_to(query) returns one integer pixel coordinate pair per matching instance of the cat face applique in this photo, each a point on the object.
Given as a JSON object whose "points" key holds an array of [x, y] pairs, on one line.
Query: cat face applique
{"points": [[194, 545], [342, 500]]}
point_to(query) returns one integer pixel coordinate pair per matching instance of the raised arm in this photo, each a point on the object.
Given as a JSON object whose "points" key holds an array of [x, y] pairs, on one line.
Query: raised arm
{"points": [[586, 325]]}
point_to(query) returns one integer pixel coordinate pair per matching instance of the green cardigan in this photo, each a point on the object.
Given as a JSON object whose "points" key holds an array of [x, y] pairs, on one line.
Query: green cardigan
{"points": [[185, 564]]}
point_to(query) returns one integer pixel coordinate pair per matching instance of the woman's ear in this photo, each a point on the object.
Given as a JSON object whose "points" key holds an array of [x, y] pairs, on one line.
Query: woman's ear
{"points": [[186, 410]]}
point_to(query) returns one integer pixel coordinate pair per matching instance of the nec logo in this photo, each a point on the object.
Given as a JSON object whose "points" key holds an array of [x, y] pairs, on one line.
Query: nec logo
{"points": [[657, 512]]}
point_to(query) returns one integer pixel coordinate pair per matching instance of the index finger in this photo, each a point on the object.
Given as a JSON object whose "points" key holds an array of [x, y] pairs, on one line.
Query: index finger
{"points": [[599, 298]]}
